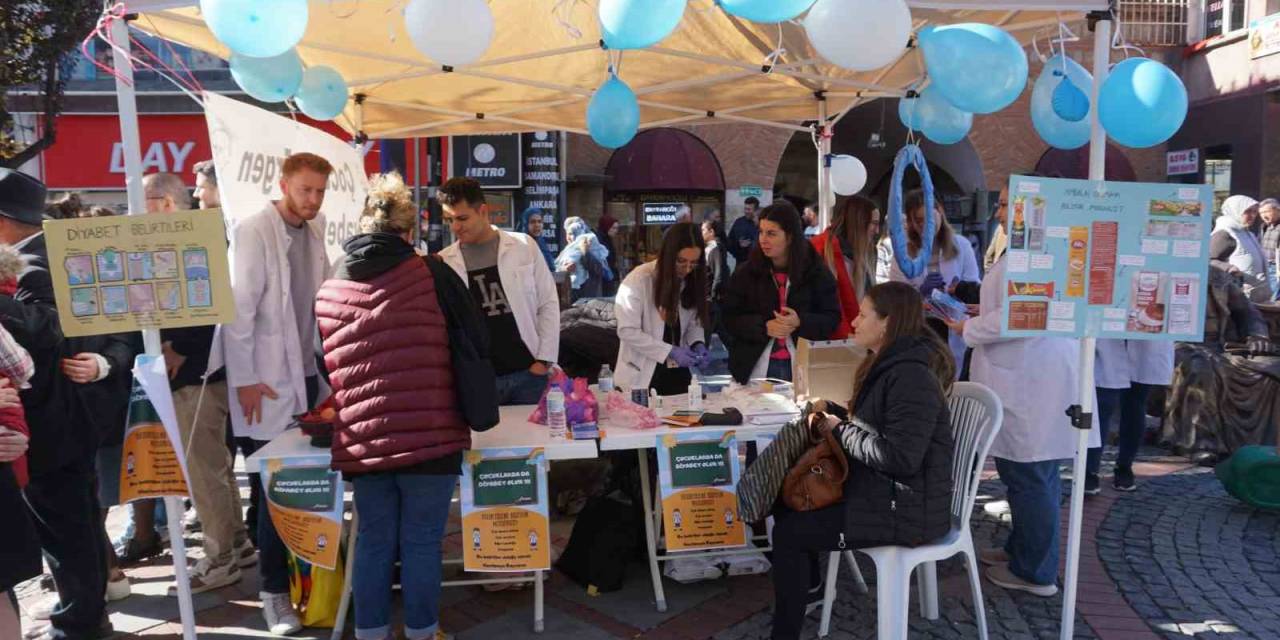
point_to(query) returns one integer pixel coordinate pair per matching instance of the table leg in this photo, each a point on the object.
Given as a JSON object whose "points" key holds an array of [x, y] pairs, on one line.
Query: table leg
{"points": [[650, 538], [537, 602], [344, 603]]}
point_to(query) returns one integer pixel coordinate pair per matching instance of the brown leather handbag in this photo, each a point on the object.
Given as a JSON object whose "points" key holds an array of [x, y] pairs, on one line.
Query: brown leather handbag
{"points": [[816, 481]]}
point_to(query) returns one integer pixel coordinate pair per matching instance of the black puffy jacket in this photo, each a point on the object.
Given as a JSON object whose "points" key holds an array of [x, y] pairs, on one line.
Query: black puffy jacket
{"points": [[900, 447]]}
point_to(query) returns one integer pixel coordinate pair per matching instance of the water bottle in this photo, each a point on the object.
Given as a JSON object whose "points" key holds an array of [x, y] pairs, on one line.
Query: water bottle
{"points": [[695, 395], [555, 414], [718, 358], [605, 383]]}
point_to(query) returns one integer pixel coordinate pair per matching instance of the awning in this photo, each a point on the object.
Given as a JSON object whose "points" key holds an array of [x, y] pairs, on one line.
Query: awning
{"points": [[665, 160], [543, 66]]}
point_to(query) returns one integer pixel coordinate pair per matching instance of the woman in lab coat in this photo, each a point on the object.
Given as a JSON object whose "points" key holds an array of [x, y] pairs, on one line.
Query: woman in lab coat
{"points": [[1036, 379], [661, 309], [1125, 372]]}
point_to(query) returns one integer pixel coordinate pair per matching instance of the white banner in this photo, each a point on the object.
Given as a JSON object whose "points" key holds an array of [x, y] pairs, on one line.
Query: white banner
{"points": [[249, 146]]}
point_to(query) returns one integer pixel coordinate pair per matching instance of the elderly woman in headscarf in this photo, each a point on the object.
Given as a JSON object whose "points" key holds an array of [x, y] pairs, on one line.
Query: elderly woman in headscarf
{"points": [[1236, 248], [585, 259], [532, 222]]}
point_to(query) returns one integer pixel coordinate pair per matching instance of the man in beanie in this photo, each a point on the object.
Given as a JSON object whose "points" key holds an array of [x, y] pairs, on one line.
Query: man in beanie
{"points": [[61, 455]]}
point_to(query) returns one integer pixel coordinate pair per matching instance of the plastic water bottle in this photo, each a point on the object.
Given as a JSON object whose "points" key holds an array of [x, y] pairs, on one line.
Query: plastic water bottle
{"points": [[718, 358], [605, 383], [695, 395], [555, 414]]}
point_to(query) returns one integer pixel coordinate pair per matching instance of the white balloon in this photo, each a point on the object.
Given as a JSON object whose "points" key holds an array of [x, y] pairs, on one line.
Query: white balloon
{"points": [[861, 35], [848, 174], [450, 32]]}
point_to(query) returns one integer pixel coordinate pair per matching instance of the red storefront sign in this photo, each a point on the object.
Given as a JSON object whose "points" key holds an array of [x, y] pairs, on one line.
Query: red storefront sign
{"points": [[88, 154]]}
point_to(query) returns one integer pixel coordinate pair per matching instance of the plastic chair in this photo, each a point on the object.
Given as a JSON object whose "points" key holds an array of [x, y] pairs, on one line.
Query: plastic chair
{"points": [[976, 416]]}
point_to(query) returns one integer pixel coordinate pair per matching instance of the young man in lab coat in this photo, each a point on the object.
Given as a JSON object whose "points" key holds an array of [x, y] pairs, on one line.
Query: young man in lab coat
{"points": [[513, 288], [1125, 372], [277, 265]]}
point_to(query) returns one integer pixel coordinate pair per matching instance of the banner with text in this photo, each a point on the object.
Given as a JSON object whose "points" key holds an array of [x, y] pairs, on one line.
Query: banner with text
{"points": [[698, 480], [151, 460], [304, 498], [125, 273], [1106, 259], [505, 523], [249, 147], [541, 158]]}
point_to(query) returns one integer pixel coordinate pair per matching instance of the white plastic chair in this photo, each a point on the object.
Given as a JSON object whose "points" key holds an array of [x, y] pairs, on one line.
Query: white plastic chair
{"points": [[976, 416]]}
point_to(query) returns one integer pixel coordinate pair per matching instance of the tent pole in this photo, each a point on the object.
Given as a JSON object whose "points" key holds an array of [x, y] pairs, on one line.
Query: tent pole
{"points": [[127, 105], [1097, 172], [824, 166]]}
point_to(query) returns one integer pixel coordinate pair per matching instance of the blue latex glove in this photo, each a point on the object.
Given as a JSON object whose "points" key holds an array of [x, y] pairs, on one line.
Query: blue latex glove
{"points": [[932, 281], [701, 352], [683, 357]]}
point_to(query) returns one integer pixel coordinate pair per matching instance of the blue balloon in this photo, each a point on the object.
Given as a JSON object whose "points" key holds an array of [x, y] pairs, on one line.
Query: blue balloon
{"points": [[1053, 128], [257, 28], [1142, 103], [636, 24], [1069, 101], [767, 11], [323, 93], [936, 118], [977, 67], [613, 115], [268, 79]]}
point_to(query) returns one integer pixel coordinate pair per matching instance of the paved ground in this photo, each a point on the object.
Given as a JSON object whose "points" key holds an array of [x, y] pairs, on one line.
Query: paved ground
{"points": [[1176, 558]]}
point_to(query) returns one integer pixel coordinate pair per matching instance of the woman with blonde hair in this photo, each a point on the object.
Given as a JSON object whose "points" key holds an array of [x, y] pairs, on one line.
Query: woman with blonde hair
{"points": [[848, 248], [386, 318]]}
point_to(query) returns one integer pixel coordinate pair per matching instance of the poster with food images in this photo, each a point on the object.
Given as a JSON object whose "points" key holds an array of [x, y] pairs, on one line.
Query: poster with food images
{"points": [[505, 522], [305, 500], [1106, 259], [698, 482]]}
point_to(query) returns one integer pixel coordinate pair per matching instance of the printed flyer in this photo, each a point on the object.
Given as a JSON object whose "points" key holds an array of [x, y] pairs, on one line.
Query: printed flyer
{"points": [[304, 498], [1107, 259], [150, 462], [125, 273], [505, 526], [698, 480]]}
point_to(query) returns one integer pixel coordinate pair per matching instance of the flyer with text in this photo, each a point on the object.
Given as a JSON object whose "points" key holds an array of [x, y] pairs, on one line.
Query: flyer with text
{"points": [[1106, 259], [151, 461], [118, 274], [505, 523], [304, 498], [698, 480]]}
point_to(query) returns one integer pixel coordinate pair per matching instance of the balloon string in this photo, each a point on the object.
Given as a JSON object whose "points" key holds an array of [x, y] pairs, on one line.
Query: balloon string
{"points": [[398, 7], [562, 11], [1118, 41], [778, 51], [101, 31]]}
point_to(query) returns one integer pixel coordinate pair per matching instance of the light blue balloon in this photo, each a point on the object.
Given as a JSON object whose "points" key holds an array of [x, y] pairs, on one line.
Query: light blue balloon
{"points": [[323, 93], [1142, 103], [936, 118], [977, 67], [273, 79], [636, 24], [257, 28], [613, 115], [1069, 101], [767, 11], [1054, 129]]}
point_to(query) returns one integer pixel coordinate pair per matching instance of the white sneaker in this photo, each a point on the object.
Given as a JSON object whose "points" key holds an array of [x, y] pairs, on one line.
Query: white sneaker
{"points": [[119, 589], [1002, 576], [191, 521], [278, 611], [207, 576], [245, 554]]}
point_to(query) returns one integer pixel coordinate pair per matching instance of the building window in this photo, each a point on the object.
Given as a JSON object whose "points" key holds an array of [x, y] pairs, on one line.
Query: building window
{"points": [[1222, 17], [1217, 172], [1154, 22]]}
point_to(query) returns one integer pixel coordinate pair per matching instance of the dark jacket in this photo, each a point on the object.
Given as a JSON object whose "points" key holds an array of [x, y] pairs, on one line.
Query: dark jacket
{"points": [[900, 447], [107, 400], [752, 297], [60, 435], [194, 344], [386, 348], [743, 236]]}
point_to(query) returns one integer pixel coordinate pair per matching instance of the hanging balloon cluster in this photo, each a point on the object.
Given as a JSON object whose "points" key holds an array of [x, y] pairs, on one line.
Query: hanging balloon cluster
{"points": [[262, 37]]}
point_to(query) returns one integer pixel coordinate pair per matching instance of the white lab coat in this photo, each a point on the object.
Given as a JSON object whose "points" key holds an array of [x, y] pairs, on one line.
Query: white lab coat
{"points": [[262, 344], [1120, 362], [1035, 378], [963, 267], [641, 348], [530, 290]]}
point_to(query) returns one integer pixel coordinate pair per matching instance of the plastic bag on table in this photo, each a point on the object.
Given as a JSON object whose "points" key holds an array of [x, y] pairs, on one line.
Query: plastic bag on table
{"points": [[624, 413], [580, 404]]}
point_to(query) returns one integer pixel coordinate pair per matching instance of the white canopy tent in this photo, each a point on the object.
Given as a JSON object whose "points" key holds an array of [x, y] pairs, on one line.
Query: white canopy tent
{"points": [[545, 60]]}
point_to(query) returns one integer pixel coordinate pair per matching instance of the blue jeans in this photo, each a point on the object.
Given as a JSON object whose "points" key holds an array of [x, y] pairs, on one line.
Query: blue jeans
{"points": [[1126, 409], [402, 516], [1035, 496], [520, 387]]}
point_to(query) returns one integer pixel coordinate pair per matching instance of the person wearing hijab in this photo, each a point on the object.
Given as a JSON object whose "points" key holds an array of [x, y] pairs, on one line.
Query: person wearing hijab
{"points": [[585, 259], [1235, 248], [607, 229], [532, 222]]}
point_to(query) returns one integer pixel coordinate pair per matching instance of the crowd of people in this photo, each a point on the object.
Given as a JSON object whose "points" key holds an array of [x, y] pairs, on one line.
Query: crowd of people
{"points": [[395, 335]]}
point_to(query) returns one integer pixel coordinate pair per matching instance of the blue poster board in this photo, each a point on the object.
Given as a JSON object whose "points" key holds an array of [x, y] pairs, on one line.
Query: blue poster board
{"points": [[1106, 259]]}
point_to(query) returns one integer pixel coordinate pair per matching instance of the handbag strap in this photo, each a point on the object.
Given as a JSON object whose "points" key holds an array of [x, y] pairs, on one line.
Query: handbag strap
{"points": [[842, 460]]}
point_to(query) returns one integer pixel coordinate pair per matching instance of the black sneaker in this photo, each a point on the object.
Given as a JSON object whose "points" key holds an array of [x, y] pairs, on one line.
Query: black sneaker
{"points": [[1124, 480], [1092, 486]]}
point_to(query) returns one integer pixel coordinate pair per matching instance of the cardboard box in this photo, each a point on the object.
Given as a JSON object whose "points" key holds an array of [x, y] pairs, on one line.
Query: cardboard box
{"points": [[825, 369]]}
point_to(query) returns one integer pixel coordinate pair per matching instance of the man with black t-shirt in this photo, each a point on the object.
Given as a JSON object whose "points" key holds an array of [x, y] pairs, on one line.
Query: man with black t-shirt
{"points": [[512, 287]]}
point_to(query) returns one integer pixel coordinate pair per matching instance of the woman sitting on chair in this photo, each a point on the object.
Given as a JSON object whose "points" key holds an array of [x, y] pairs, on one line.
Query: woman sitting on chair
{"points": [[899, 445]]}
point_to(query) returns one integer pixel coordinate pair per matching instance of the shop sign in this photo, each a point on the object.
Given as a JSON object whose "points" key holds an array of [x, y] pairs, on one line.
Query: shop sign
{"points": [[1183, 162], [698, 479], [1264, 36], [542, 183], [660, 213], [750, 190], [492, 160]]}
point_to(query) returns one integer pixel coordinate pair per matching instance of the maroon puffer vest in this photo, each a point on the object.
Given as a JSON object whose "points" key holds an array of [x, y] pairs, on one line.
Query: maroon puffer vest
{"points": [[387, 351]]}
